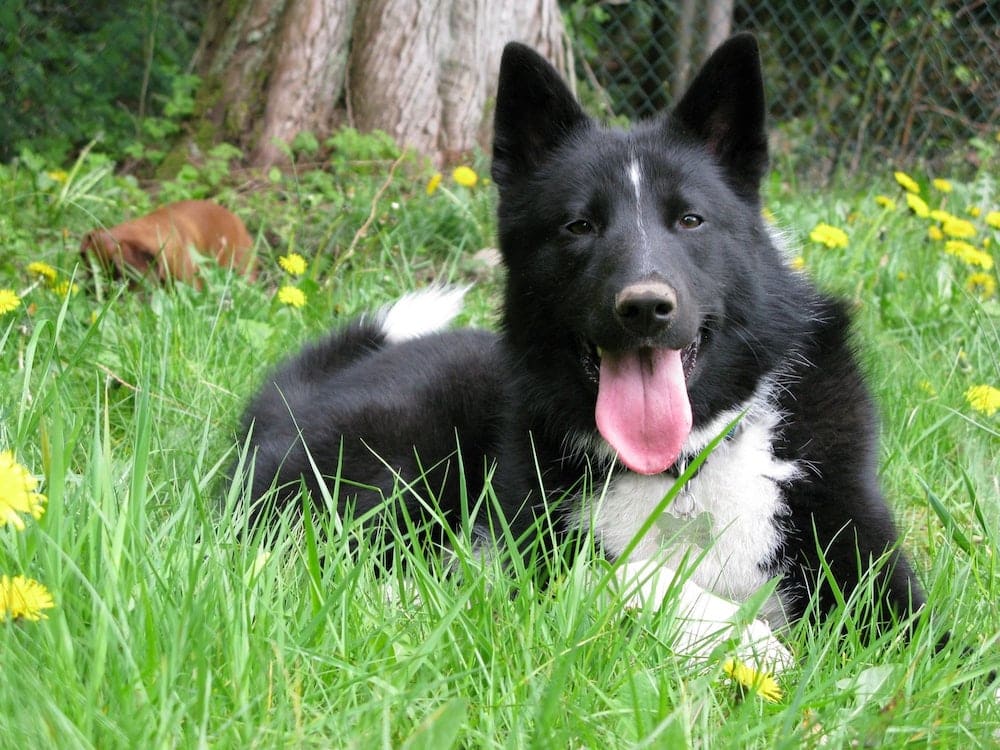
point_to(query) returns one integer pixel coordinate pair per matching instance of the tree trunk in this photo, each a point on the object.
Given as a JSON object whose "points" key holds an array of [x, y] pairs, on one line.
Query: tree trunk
{"points": [[701, 27], [234, 53], [307, 71], [683, 49], [718, 24], [423, 71]]}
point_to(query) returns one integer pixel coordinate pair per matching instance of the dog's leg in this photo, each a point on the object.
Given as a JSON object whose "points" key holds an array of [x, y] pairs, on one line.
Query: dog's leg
{"points": [[706, 619]]}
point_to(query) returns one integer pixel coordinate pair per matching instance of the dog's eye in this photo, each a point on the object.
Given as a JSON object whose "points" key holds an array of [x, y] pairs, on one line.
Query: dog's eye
{"points": [[580, 226], [690, 221]]}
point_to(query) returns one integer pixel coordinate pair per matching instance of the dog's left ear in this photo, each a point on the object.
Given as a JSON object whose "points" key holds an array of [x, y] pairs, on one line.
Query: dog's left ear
{"points": [[535, 113], [724, 108]]}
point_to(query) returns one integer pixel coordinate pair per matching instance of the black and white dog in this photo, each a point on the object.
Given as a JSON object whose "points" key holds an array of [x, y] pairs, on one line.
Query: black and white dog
{"points": [[648, 314]]}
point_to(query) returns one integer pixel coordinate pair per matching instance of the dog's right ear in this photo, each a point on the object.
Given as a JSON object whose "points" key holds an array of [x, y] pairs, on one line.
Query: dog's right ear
{"points": [[117, 254], [535, 111], [137, 255]]}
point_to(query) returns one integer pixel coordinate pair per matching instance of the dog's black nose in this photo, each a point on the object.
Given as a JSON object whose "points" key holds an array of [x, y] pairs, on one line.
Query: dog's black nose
{"points": [[646, 308]]}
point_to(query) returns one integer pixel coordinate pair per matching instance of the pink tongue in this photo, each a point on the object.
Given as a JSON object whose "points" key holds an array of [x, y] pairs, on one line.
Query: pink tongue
{"points": [[643, 409]]}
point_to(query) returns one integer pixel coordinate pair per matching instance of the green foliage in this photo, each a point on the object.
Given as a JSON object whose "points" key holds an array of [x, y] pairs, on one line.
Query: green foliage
{"points": [[72, 72], [174, 627], [152, 144], [305, 144], [206, 179], [348, 145]]}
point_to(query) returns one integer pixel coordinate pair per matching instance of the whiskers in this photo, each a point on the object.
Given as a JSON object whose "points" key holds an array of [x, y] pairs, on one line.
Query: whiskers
{"points": [[589, 448]]}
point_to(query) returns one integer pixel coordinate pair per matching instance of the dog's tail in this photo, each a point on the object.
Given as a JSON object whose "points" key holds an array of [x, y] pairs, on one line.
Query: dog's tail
{"points": [[420, 313], [412, 316]]}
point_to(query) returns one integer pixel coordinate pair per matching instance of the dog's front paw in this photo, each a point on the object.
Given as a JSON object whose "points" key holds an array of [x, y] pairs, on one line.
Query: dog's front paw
{"points": [[759, 645], [706, 620]]}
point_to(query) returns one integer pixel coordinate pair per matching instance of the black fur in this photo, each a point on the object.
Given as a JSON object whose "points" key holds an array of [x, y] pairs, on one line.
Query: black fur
{"points": [[521, 401], [348, 401]]}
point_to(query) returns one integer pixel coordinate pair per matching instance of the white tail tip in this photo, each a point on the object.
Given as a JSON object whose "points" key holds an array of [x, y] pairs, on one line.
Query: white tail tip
{"points": [[420, 313]]}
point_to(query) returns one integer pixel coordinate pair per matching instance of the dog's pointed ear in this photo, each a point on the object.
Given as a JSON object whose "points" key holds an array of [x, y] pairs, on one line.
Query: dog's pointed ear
{"points": [[535, 111], [724, 108]]}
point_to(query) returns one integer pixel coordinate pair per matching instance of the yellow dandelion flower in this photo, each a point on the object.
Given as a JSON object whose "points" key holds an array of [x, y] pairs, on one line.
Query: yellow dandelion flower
{"points": [[292, 296], [58, 175], [23, 598], [8, 301], [927, 387], [768, 215], [969, 254], [798, 263], [65, 288], [885, 202], [38, 268], [906, 182], [293, 263], [983, 285], [465, 176], [434, 183], [993, 219], [942, 184], [17, 493], [762, 683], [918, 205], [959, 228], [934, 232], [984, 399], [830, 236], [941, 215], [974, 211]]}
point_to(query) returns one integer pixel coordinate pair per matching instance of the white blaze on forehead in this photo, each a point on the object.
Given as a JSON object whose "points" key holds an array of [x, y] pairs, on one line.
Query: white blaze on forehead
{"points": [[635, 177]]}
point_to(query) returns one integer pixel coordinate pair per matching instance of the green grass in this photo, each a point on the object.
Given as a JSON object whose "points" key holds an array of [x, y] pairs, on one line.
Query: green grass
{"points": [[172, 628]]}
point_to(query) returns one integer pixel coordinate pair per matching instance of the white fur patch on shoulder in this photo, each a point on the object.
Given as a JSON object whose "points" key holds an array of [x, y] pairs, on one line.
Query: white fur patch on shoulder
{"points": [[420, 313]]}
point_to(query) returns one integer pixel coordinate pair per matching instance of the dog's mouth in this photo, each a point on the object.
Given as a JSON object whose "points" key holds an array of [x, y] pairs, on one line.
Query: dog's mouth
{"points": [[643, 410], [592, 355]]}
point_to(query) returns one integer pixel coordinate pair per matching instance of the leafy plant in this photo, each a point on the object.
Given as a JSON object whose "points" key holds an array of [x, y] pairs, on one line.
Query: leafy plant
{"points": [[74, 72]]}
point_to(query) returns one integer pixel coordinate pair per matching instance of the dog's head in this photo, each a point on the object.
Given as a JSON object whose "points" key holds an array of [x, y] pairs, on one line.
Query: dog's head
{"points": [[119, 255], [639, 268]]}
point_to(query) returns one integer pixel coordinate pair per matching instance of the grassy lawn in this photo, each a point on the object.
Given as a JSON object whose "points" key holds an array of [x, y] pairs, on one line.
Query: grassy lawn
{"points": [[170, 628]]}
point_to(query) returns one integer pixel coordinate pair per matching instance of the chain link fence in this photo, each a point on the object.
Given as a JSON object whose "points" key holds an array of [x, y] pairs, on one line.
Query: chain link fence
{"points": [[849, 83]]}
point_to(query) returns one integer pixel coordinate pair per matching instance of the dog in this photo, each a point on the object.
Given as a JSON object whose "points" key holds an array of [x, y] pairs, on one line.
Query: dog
{"points": [[661, 380], [171, 241]]}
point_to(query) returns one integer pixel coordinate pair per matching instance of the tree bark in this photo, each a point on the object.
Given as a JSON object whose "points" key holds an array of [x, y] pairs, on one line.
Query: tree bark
{"points": [[718, 24], [701, 27], [233, 56], [683, 49], [307, 72], [395, 68], [423, 71]]}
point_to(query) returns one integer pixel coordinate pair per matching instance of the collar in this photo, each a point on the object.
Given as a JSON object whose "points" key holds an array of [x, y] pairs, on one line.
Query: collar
{"points": [[684, 459]]}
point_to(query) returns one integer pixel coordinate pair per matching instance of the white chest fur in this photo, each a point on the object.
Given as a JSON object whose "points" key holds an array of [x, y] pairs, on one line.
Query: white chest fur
{"points": [[728, 518]]}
